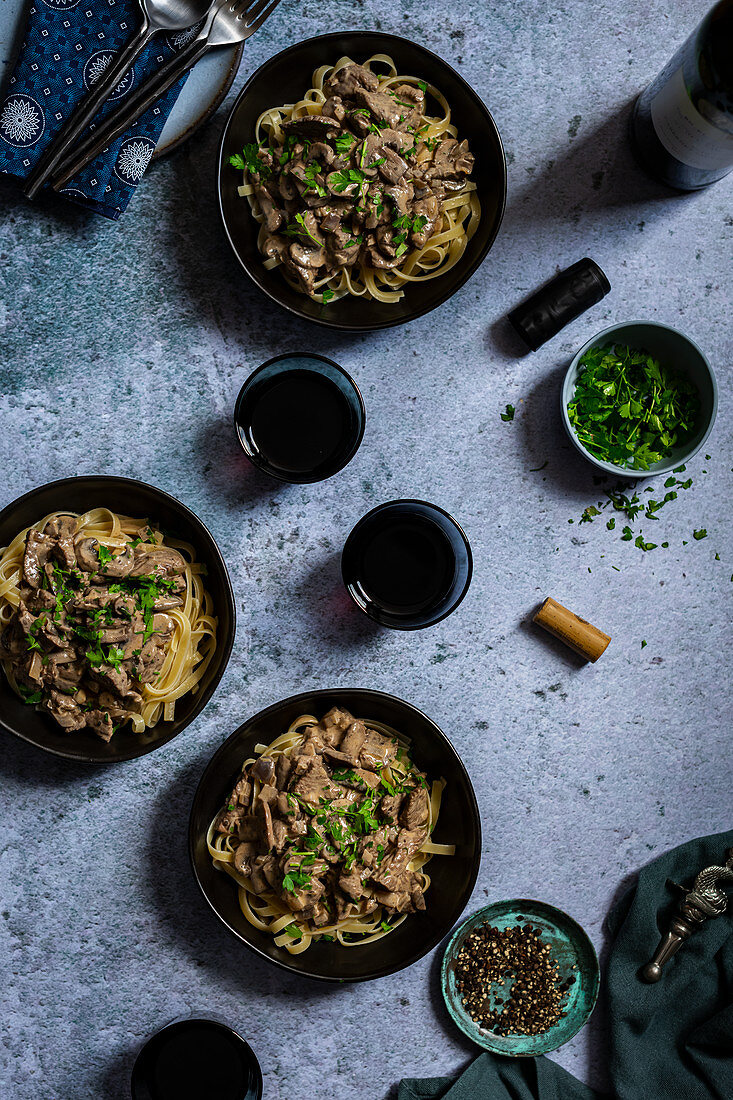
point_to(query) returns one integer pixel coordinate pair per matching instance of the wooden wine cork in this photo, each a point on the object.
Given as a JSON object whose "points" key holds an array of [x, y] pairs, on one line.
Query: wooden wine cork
{"points": [[582, 636]]}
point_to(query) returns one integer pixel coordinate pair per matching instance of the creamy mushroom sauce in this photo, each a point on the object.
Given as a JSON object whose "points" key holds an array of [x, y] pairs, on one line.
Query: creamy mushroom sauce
{"points": [[91, 627], [359, 184], [324, 829]]}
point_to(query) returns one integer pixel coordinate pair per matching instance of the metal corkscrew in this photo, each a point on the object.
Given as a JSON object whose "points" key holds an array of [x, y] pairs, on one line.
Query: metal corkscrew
{"points": [[704, 899]]}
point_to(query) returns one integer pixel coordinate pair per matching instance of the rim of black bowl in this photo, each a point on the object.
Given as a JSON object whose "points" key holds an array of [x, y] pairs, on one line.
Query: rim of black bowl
{"points": [[265, 467], [469, 577], [473, 813], [202, 699], [465, 271]]}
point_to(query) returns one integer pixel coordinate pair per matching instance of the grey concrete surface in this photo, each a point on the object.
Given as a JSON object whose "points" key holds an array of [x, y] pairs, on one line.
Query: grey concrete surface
{"points": [[123, 347]]}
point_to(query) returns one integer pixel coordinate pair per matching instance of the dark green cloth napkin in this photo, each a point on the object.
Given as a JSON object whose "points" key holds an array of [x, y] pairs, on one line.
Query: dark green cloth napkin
{"points": [[669, 1041]]}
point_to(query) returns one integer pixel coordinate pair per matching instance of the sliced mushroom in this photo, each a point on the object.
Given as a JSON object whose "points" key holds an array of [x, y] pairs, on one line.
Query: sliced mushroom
{"points": [[307, 257], [243, 857], [401, 194], [264, 769], [347, 80], [385, 241], [273, 217], [158, 560], [393, 168], [397, 139], [334, 108], [312, 127], [162, 624]]}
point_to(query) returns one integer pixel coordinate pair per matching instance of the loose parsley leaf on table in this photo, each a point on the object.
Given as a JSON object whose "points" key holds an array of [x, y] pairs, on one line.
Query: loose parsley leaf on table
{"points": [[509, 414]]}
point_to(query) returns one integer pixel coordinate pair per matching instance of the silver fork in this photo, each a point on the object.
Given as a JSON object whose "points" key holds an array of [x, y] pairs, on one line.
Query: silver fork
{"points": [[158, 15], [228, 22]]}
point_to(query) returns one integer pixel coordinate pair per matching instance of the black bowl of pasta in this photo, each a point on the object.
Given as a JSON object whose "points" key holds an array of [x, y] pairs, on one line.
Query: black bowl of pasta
{"points": [[117, 618], [381, 217], [369, 856]]}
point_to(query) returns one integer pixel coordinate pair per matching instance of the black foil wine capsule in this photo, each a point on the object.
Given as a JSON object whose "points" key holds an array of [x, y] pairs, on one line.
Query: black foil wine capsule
{"points": [[559, 302]]}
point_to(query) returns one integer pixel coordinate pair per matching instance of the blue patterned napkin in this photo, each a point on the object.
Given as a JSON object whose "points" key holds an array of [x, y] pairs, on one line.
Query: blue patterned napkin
{"points": [[66, 47]]}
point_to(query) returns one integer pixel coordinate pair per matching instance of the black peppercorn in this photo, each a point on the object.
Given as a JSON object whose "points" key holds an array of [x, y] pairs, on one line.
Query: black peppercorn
{"points": [[530, 994]]}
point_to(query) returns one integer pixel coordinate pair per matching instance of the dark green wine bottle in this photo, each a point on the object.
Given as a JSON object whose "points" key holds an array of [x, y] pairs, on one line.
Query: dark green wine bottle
{"points": [[682, 127]]}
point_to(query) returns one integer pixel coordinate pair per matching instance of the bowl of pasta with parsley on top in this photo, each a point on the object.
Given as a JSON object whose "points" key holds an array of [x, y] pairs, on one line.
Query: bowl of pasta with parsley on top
{"points": [[116, 618], [336, 833], [368, 188]]}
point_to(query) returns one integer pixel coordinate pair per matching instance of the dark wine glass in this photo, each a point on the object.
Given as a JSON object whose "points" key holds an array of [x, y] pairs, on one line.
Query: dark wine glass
{"points": [[407, 564], [300, 417], [194, 1058]]}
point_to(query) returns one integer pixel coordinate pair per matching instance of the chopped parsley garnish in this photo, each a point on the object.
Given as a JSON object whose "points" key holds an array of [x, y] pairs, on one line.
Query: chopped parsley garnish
{"points": [[311, 174], [250, 160], [33, 642], [388, 786], [509, 414], [287, 152], [344, 142], [300, 229], [327, 294], [115, 656], [294, 879], [628, 408], [350, 176], [30, 698]]}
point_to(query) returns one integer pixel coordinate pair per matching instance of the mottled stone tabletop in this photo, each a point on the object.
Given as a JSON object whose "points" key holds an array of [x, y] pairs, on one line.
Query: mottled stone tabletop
{"points": [[123, 347]]}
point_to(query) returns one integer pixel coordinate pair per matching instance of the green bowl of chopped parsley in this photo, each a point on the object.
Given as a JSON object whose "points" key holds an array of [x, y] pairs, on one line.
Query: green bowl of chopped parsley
{"points": [[639, 398]]}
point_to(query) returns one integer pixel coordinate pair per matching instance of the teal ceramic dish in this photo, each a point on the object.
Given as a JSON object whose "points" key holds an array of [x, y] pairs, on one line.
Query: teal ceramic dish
{"points": [[673, 348], [569, 945]]}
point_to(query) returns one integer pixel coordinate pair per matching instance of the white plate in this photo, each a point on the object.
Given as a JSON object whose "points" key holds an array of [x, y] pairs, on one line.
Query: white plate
{"points": [[202, 93]]}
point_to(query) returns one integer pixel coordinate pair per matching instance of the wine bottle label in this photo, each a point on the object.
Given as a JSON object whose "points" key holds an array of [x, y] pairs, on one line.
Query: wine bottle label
{"points": [[683, 131]]}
